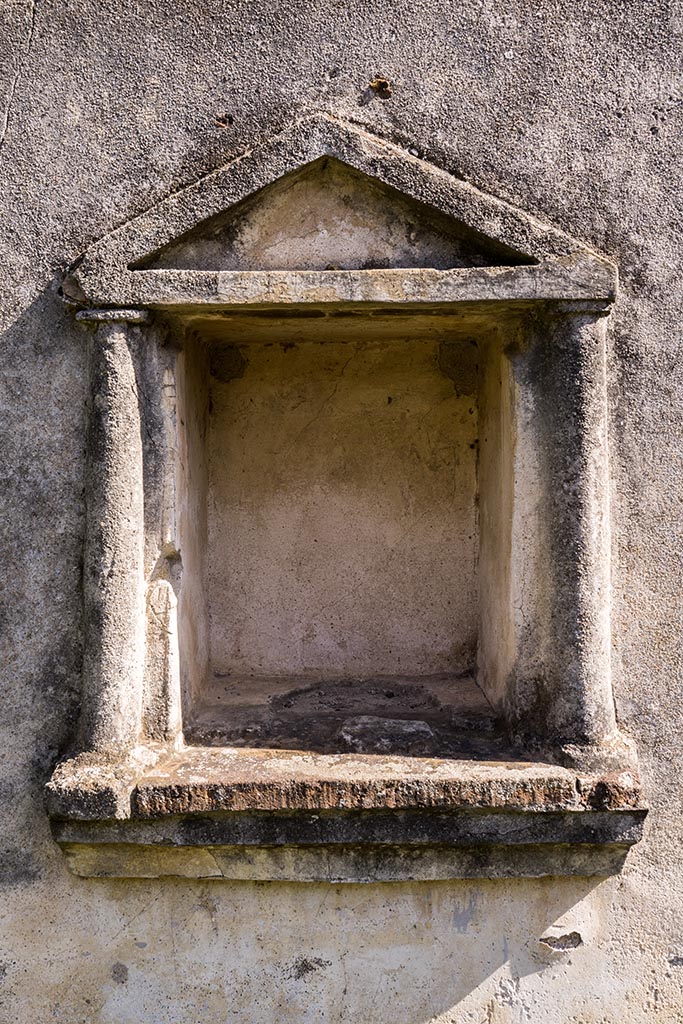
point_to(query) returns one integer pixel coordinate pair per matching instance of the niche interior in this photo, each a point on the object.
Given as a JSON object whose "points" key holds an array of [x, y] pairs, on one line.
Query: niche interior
{"points": [[335, 584]]}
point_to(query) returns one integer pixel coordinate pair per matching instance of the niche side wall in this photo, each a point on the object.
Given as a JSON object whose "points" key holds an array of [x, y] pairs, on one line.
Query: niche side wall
{"points": [[192, 377]]}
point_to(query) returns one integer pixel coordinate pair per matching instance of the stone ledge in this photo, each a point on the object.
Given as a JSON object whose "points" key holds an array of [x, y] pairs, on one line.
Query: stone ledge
{"points": [[354, 864], [220, 812], [577, 278], [202, 779], [366, 828]]}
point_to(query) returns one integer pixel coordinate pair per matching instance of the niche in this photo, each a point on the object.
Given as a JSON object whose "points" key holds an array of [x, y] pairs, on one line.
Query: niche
{"points": [[347, 555], [331, 469]]}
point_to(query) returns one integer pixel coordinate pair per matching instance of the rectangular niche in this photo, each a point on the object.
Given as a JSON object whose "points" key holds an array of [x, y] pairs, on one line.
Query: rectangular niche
{"points": [[347, 509], [330, 478]]}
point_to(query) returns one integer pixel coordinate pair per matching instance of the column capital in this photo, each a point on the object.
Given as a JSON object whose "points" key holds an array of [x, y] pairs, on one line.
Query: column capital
{"points": [[110, 316]]}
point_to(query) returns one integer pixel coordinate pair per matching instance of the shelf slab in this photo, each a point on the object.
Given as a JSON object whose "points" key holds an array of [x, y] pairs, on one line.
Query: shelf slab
{"points": [[212, 812]]}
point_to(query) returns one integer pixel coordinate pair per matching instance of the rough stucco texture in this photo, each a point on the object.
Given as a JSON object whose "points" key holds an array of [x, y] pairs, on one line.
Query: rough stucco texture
{"points": [[315, 452], [569, 109]]}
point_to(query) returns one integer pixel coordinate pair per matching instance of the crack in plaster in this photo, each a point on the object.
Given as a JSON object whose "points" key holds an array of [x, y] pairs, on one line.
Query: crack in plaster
{"points": [[20, 68]]}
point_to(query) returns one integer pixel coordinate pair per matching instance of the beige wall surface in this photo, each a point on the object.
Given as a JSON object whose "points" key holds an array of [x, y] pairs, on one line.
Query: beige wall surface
{"points": [[571, 110], [342, 520]]}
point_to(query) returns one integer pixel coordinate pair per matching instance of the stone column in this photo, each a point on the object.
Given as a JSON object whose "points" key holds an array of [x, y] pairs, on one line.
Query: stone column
{"points": [[569, 385], [113, 574]]}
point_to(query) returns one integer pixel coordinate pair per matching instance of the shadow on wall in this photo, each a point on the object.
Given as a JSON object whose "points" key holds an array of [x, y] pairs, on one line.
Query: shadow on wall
{"points": [[42, 411], [380, 954]]}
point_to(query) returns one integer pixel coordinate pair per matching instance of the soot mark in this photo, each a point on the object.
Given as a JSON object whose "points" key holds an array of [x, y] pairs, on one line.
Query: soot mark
{"points": [[304, 965]]}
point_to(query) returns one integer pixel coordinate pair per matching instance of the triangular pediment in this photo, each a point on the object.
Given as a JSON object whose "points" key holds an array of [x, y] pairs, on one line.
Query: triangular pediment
{"points": [[330, 216], [322, 195]]}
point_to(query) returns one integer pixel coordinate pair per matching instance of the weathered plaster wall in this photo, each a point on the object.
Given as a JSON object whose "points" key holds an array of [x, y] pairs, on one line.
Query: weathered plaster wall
{"points": [[342, 519], [192, 472], [498, 454], [572, 110]]}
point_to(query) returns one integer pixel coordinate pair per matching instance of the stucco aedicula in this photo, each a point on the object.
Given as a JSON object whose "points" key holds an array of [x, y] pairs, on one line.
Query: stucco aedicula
{"points": [[571, 111]]}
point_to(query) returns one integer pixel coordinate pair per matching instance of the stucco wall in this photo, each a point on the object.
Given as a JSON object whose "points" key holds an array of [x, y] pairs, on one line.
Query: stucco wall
{"points": [[571, 110], [342, 522]]}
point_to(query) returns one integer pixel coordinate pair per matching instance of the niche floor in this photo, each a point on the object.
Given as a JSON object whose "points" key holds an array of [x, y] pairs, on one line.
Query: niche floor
{"points": [[442, 717]]}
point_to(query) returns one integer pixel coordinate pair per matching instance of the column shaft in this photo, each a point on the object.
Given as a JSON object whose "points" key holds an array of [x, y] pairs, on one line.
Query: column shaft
{"points": [[573, 438], [113, 565]]}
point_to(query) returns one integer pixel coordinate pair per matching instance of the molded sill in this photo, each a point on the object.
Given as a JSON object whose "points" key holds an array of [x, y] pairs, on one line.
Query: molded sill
{"points": [[291, 815]]}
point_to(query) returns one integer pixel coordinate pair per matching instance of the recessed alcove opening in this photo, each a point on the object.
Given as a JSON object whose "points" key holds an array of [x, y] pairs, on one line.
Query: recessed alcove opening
{"points": [[335, 579], [363, 505]]}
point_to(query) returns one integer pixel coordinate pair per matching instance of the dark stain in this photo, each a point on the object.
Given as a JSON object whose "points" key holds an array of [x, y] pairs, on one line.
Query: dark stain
{"points": [[306, 965], [380, 263], [227, 363], [283, 313], [119, 973], [382, 87], [310, 718], [18, 867], [609, 794], [561, 942], [459, 364], [463, 915]]}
